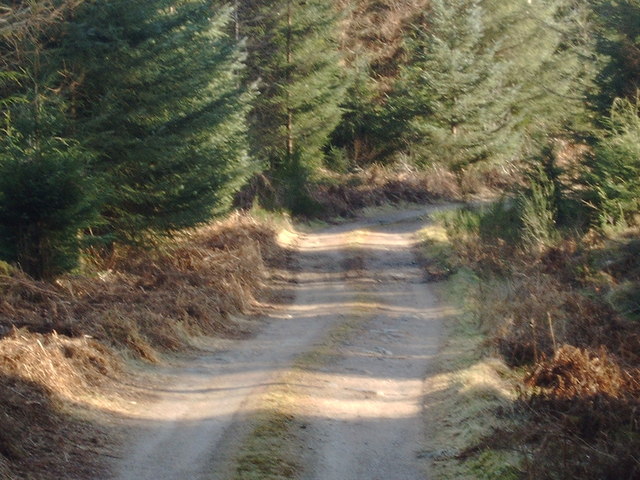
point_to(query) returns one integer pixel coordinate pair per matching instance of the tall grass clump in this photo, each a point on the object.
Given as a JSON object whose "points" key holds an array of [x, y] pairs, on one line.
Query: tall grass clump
{"points": [[538, 213]]}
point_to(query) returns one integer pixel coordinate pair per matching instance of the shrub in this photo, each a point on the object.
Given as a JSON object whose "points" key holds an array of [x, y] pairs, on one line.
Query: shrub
{"points": [[614, 176], [45, 201], [585, 407], [483, 236], [529, 221], [336, 159]]}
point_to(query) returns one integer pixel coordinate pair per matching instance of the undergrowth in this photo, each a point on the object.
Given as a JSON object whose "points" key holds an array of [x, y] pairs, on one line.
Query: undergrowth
{"points": [[469, 397], [334, 194], [560, 307], [62, 342]]}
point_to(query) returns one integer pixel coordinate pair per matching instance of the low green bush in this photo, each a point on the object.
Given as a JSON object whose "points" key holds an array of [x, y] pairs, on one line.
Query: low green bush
{"points": [[45, 201]]}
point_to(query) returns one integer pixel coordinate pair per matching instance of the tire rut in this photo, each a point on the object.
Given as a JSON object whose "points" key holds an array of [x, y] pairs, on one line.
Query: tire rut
{"points": [[351, 351]]}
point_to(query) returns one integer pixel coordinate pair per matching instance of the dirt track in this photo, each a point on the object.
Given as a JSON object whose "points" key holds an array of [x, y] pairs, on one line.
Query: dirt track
{"points": [[361, 405]]}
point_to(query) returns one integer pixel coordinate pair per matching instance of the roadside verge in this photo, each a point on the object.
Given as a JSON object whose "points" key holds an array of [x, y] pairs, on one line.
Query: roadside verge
{"points": [[470, 393]]}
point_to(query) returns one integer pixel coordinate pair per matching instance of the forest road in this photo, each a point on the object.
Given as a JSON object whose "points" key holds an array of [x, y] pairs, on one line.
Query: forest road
{"points": [[361, 296]]}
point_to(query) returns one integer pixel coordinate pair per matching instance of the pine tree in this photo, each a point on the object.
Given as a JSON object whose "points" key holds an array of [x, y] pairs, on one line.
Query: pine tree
{"points": [[46, 200], [158, 98], [368, 130], [619, 43], [612, 179], [448, 85], [372, 129], [495, 81], [549, 64], [609, 182], [46, 195], [294, 61]]}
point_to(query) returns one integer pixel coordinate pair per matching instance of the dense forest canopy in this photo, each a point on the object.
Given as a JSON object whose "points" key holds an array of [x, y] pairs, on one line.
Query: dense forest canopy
{"points": [[123, 122]]}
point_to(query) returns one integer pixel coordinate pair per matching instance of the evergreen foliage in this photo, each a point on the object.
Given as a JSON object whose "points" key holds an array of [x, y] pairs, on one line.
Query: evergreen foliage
{"points": [[46, 197], [494, 81], [539, 211], [546, 50], [141, 102], [619, 44], [294, 60], [447, 86], [159, 101], [613, 179], [371, 129], [166, 110]]}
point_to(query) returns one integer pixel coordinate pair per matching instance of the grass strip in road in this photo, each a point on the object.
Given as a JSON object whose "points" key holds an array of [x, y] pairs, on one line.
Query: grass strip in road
{"points": [[328, 351], [269, 452], [273, 449]]}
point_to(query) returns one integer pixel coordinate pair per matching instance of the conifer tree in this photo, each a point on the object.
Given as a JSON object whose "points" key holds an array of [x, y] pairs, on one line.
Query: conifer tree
{"points": [[46, 193], [448, 85], [158, 99], [46, 198], [294, 61], [619, 43], [547, 52], [372, 129], [495, 81], [364, 132], [612, 179], [609, 183]]}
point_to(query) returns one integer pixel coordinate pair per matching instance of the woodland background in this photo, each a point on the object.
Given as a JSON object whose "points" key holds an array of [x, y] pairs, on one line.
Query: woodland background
{"points": [[125, 124]]}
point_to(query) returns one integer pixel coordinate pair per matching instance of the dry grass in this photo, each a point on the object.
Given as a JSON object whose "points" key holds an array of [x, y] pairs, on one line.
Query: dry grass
{"points": [[472, 393], [469, 397], [532, 312], [586, 411], [555, 314], [61, 344], [41, 377], [70, 367], [146, 300], [580, 373], [530, 302], [343, 195], [488, 181], [435, 252]]}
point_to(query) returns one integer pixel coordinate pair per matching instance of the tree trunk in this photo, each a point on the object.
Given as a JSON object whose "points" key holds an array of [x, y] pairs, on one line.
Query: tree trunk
{"points": [[289, 61]]}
